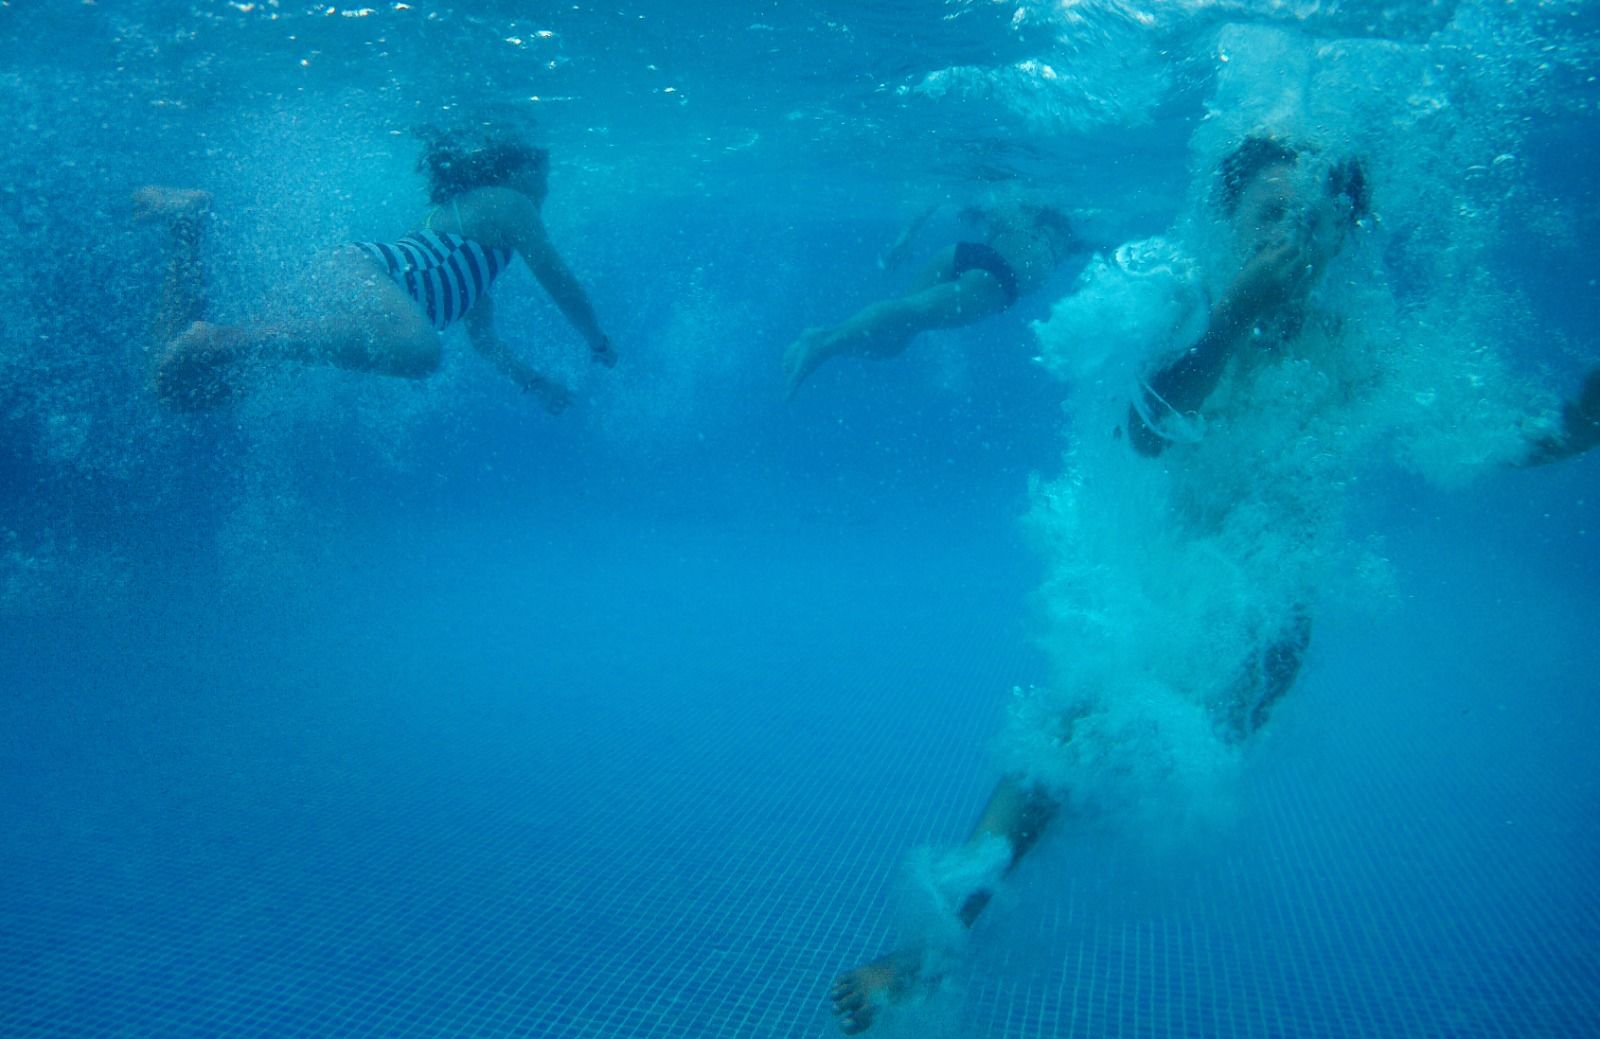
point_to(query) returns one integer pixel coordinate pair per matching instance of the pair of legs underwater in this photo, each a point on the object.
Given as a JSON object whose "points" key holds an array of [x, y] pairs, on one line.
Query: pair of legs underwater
{"points": [[1019, 811], [946, 294], [344, 312]]}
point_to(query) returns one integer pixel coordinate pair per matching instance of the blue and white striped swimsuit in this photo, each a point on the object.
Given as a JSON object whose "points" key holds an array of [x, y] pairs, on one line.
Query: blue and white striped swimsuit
{"points": [[445, 273]]}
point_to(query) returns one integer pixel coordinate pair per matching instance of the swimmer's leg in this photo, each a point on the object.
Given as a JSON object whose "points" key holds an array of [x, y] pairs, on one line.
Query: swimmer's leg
{"points": [[884, 329], [183, 287], [344, 313], [1280, 666], [1017, 812], [188, 371], [1267, 678]]}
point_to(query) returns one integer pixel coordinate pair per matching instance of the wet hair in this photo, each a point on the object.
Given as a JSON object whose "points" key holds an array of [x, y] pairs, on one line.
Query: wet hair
{"points": [[1347, 179], [1256, 153], [455, 161], [1041, 215], [1052, 219]]}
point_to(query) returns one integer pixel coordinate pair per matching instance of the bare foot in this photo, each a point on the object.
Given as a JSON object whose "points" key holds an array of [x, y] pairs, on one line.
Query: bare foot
{"points": [[193, 371], [858, 994], [805, 355], [152, 203]]}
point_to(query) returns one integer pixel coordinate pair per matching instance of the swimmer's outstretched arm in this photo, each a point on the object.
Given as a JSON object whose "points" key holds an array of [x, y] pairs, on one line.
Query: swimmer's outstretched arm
{"points": [[533, 243], [1275, 277], [896, 254], [484, 339], [1580, 427]]}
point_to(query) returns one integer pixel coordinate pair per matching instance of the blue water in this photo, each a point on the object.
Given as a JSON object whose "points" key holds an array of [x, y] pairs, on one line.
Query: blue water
{"points": [[386, 709]]}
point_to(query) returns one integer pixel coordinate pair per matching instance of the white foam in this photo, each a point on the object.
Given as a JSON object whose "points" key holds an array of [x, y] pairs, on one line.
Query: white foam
{"points": [[1165, 579]]}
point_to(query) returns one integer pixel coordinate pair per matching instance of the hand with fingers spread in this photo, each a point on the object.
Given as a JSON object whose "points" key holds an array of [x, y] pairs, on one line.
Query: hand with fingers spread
{"points": [[1279, 272]]}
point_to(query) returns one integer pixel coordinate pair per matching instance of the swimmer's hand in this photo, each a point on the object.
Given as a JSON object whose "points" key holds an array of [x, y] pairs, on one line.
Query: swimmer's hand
{"points": [[892, 257], [555, 397], [603, 353], [1276, 274]]}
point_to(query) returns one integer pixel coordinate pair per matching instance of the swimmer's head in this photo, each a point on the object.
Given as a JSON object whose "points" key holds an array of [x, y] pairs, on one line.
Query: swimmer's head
{"points": [[1344, 181], [1028, 210], [1257, 154], [455, 161], [1055, 224]]}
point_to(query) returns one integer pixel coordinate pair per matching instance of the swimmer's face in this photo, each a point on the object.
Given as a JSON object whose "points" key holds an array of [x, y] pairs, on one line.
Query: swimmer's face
{"points": [[1267, 206]]}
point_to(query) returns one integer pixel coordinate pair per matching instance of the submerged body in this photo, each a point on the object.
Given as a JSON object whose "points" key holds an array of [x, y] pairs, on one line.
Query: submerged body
{"points": [[444, 274], [1192, 586], [369, 307], [963, 283]]}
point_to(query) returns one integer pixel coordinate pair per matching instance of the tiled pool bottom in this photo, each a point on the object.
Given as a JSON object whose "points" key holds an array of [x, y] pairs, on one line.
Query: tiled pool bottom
{"points": [[413, 846]]}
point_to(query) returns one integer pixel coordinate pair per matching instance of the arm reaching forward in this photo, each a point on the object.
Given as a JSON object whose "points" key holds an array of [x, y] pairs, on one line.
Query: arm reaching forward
{"points": [[1276, 276], [480, 331], [531, 240]]}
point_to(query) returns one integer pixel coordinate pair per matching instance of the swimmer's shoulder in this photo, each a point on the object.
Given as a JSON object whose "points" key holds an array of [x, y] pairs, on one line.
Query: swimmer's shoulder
{"points": [[495, 217]]}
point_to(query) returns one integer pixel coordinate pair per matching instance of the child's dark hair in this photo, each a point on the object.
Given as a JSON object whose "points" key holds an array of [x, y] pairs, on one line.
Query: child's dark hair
{"points": [[1241, 165], [1053, 219], [456, 161], [1348, 180]]}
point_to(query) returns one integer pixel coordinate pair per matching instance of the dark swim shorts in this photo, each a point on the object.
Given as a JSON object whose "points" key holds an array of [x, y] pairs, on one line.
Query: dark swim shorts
{"points": [[975, 256]]}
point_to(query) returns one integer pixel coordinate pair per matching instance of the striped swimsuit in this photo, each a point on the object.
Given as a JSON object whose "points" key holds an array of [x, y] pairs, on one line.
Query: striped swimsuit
{"points": [[445, 273]]}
